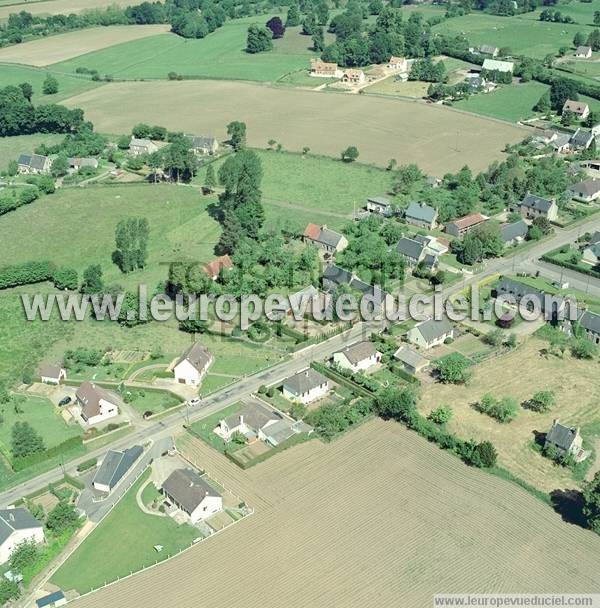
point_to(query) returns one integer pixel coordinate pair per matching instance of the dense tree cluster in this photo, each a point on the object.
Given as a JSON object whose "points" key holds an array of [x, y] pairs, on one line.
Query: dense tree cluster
{"points": [[131, 240], [260, 39], [427, 71]]}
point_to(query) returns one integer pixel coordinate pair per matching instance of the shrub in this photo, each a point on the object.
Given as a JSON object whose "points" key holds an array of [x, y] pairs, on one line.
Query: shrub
{"points": [[441, 415], [26, 274], [542, 401], [454, 369], [503, 410]]}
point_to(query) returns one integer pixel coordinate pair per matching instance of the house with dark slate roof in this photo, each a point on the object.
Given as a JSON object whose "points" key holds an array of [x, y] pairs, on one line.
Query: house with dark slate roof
{"points": [[305, 386], [565, 440], [430, 333], [114, 467], [328, 240], [52, 600], [421, 215], [589, 322], [203, 144], [379, 204], [411, 360], [192, 495], [193, 365], [357, 357], [587, 191], [17, 526], [411, 250], [513, 233], [581, 139], [591, 254], [34, 163], [533, 206]]}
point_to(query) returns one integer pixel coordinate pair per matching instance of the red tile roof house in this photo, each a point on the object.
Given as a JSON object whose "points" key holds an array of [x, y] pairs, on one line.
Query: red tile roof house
{"points": [[326, 239], [213, 269], [96, 404], [462, 225]]}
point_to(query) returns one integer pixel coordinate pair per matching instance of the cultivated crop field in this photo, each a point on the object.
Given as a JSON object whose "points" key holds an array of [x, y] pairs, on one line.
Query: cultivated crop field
{"points": [[364, 519], [436, 138], [56, 7], [524, 371], [72, 44]]}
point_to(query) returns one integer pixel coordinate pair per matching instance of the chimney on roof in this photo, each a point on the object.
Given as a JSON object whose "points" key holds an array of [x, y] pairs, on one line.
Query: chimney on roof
{"points": [[11, 516], [306, 373], [241, 419]]}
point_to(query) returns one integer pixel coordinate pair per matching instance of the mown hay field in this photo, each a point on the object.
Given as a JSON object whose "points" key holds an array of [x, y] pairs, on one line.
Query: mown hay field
{"points": [[56, 7], [436, 138], [377, 518], [520, 374], [53, 49]]}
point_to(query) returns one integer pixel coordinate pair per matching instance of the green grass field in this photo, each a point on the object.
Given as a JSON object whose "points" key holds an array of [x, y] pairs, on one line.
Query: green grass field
{"points": [[204, 428], [11, 147], [154, 401], [509, 102], [219, 55], [11, 74], [123, 542]]}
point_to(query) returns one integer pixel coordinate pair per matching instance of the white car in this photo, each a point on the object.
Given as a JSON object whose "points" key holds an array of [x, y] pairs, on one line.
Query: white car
{"points": [[193, 402]]}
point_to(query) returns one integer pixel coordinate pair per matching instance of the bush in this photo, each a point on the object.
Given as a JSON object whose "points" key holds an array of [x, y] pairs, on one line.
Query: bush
{"points": [[441, 415], [504, 410], [542, 401], [26, 274], [66, 278], [87, 465], [454, 369]]}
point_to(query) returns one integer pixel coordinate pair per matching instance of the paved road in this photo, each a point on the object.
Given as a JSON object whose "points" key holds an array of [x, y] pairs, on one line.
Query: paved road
{"points": [[220, 400]]}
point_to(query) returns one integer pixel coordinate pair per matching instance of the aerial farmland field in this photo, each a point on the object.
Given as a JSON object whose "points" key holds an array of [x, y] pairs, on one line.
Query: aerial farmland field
{"points": [[55, 7], [361, 519]]}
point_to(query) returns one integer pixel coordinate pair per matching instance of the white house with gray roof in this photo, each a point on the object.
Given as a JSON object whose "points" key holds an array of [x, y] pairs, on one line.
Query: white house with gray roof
{"points": [[114, 467], [513, 233], [305, 386], [411, 360], [357, 357], [421, 215], [565, 440], [379, 204], [586, 191], [495, 65], [17, 526], [533, 206], [34, 163], [193, 365], [430, 333], [192, 495], [329, 240], [203, 144], [138, 146], [591, 254]]}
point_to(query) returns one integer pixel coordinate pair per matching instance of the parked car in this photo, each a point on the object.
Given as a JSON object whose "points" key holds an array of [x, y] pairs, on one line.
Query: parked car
{"points": [[65, 400], [193, 402]]}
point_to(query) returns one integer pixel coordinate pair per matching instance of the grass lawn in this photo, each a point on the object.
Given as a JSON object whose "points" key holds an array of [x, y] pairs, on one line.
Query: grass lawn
{"points": [[68, 85], [220, 55], [509, 102], [122, 543], [238, 358], [212, 383], [153, 401], [11, 147], [204, 429]]}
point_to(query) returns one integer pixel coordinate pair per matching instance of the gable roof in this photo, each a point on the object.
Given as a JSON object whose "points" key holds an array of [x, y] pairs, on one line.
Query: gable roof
{"points": [[421, 212], [337, 275], [468, 220], [488, 49], [197, 355], [323, 235], [90, 394], [51, 598], [583, 50], [18, 518], [410, 248], [494, 65], [255, 415], [577, 107], [595, 238], [24, 159], [588, 187], [304, 381], [115, 465], [213, 269], [411, 357], [141, 142], [510, 232], [532, 201], [188, 489], [561, 435], [358, 352], [202, 142], [432, 329], [34, 161], [379, 200], [590, 321], [582, 138], [51, 371]]}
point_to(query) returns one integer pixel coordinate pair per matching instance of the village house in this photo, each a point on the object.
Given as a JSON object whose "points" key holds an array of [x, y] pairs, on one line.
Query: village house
{"points": [[305, 386], [589, 322], [213, 269], [533, 206], [193, 365], [52, 600], [591, 254], [581, 139], [17, 526], [494, 65], [513, 233], [187, 491], [421, 215], [52, 374], [95, 403], [583, 52], [203, 145], [357, 357], [379, 204], [580, 109], [397, 63], [565, 440], [587, 191], [430, 333], [139, 146], [562, 143], [485, 49], [34, 163], [433, 245], [114, 467], [477, 83], [462, 225], [323, 69], [77, 163], [411, 250], [354, 77], [328, 240], [411, 360]]}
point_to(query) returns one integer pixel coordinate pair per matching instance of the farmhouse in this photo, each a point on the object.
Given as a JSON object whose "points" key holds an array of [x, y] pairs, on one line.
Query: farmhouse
{"points": [[213, 269], [305, 386], [485, 49], [379, 204], [565, 440], [354, 77], [583, 52], [533, 206], [52, 374], [461, 226], [192, 495], [203, 144], [52, 600], [430, 333], [77, 163], [17, 526], [193, 364], [114, 467], [581, 139], [421, 215], [34, 163], [590, 323], [333, 276], [562, 143], [411, 360], [591, 254], [322, 69], [397, 63], [330, 241], [587, 191], [513, 233], [357, 357], [580, 109], [411, 250], [141, 146], [95, 403], [494, 65]]}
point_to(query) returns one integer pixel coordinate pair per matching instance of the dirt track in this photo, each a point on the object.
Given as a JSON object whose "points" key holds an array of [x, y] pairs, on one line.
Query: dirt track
{"points": [[380, 518]]}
